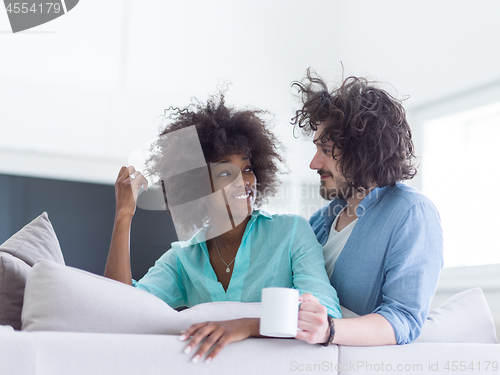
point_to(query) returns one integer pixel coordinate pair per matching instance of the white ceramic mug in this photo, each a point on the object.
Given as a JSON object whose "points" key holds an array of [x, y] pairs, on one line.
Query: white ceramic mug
{"points": [[280, 312]]}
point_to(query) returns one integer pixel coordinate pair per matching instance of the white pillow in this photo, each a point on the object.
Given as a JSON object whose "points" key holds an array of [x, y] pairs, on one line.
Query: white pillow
{"points": [[464, 318], [6, 328], [61, 298]]}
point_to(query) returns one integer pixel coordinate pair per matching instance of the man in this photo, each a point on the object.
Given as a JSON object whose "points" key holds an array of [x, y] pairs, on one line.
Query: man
{"points": [[382, 240]]}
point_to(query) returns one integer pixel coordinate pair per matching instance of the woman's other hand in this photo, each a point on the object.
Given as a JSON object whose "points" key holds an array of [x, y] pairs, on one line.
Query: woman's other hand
{"points": [[217, 335], [313, 320], [127, 186]]}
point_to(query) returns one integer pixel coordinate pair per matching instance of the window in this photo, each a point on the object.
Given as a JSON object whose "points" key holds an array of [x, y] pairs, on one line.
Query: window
{"points": [[460, 175]]}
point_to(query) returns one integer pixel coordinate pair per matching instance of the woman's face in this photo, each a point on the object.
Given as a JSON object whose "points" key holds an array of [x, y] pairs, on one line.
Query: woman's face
{"points": [[233, 176]]}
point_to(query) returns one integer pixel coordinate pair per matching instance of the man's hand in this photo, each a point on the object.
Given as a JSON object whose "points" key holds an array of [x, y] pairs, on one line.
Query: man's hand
{"points": [[313, 320], [217, 335]]}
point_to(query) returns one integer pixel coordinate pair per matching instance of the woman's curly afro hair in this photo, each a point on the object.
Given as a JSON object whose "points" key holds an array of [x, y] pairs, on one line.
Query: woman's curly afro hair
{"points": [[372, 139], [222, 131]]}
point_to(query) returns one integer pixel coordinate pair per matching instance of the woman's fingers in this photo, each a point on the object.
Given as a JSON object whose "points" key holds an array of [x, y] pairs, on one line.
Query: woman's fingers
{"points": [[213, 340], [208, 331], [140, 180], [191, 330], [217, 348], [127, 187], [122, 169], [215, 336], [128, 175], [136, 180]]}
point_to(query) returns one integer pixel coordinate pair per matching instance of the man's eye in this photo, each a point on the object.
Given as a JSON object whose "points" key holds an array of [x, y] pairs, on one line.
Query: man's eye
{"points": [[327, 151]]}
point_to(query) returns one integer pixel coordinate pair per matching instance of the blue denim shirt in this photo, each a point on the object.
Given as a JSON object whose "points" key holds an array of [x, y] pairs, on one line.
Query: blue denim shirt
{"points": [[391, 262]]}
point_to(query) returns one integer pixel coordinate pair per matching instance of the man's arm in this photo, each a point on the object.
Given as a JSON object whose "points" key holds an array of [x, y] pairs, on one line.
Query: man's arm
{"points": [[367, 330]]}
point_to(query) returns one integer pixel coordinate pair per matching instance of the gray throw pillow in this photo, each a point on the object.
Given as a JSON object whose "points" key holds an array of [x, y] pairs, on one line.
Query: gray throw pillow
{"points": [[37, 240], [13, 275]]}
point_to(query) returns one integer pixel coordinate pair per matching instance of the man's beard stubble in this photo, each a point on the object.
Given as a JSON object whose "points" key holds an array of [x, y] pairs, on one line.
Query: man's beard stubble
{"points": [[342, 190]]}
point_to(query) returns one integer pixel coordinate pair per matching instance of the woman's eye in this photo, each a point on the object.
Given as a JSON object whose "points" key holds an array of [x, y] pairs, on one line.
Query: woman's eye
{"points": [[224, 174], [248, 169]]}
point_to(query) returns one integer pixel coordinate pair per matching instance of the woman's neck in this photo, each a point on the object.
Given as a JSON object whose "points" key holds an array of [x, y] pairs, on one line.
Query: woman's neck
{"points": [[233, 237]]}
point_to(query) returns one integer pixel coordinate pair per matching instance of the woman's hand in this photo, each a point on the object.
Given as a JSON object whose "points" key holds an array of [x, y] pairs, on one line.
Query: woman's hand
{"points": [[217, 335], [313, 320], [127, 186]]}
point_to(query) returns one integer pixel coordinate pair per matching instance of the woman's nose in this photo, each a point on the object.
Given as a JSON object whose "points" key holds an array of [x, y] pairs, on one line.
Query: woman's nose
{"points": [[240, 181]]}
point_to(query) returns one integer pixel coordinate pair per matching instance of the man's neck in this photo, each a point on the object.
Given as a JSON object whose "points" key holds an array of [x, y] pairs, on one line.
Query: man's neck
{"points": [[348, 215]]}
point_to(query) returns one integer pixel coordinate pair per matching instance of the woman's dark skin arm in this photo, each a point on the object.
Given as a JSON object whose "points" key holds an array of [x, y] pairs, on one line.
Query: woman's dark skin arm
{"points": [[313, 323], [126, 190], [218, 335]]}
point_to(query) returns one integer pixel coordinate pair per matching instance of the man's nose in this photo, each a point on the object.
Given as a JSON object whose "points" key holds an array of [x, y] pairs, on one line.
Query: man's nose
{"points": [[316, 162]]}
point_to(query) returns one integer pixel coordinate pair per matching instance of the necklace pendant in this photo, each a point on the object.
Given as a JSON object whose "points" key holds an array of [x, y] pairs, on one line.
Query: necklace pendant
{"points": [[228, 269]]}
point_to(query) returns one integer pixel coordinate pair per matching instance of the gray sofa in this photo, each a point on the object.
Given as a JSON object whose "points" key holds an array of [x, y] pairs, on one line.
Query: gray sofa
{"points": [[73, 322]]}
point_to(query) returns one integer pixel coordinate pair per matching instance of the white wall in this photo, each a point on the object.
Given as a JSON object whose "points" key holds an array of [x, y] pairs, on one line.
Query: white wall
{"points": [[91, 84], [104, 71]]}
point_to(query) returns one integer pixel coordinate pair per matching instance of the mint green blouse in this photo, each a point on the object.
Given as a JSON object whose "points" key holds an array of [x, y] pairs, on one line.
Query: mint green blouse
{"points": [[275, 251]]}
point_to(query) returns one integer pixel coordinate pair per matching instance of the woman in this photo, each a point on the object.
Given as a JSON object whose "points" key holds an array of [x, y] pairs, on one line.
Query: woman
{"points": [[235, 250]]}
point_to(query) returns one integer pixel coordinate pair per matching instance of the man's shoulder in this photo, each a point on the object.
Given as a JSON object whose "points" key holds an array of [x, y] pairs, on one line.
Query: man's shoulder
{"points": [[402, 194], [398, 201]]}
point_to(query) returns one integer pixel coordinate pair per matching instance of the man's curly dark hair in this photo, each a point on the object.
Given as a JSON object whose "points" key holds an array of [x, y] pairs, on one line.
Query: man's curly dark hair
{"points": [[372, 139], [222, 131]]}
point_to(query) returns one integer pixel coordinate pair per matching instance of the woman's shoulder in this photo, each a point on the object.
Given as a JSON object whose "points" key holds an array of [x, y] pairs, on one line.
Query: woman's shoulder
{"points": [[281, 219], [176, 249]]}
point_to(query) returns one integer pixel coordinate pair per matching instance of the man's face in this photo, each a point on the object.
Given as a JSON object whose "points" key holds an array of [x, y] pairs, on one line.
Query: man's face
{"points": [[333, 183]]}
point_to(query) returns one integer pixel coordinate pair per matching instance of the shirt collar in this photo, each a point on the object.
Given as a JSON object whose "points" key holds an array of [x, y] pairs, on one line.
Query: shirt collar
{"points": [[257, 213], [331, 210], [373, 197], [200, 236]]}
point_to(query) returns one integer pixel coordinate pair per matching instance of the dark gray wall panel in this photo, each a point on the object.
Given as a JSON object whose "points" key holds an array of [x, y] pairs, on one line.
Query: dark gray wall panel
{"points": [[82, 215]]}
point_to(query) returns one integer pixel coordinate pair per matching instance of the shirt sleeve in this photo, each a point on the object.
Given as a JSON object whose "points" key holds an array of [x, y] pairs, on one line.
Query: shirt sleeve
{"points": [[317, 223], [308, 267], [412, 268], [164, 281]]}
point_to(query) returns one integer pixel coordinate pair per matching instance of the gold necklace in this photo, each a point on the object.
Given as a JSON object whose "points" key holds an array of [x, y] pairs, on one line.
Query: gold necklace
{"points": [[227, 265]]}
